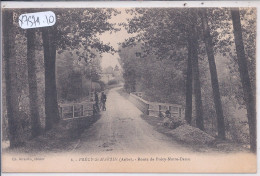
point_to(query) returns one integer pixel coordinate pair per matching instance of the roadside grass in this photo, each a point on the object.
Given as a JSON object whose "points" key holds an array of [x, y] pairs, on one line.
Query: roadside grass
{"points": [[225, 146], [62, 138]]}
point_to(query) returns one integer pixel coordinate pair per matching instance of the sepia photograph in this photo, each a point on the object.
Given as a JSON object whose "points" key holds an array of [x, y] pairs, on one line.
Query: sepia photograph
{"points": [[128, 89]]}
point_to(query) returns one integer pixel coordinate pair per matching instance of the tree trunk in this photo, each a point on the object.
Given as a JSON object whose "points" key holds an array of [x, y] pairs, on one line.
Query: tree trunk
{"points": [[243, 70], [193, 45], [213, 74], [14, 121], [32, 81], [51, 104], [197, 88], [188, 91]]}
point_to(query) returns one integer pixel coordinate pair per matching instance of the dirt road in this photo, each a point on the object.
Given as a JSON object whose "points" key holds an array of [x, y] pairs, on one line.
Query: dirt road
{"points": [[121, 130]]}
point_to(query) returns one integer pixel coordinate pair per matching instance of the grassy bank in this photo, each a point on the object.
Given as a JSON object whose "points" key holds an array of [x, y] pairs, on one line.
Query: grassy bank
{"points": [[62, 138]]}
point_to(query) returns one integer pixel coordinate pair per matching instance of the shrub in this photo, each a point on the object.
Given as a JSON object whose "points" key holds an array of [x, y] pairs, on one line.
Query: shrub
{"points": [[173, 123], [111, 82]]}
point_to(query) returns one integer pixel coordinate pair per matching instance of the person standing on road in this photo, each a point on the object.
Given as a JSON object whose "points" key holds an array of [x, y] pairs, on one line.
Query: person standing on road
{"points": [[103, 100], [96, 102]]}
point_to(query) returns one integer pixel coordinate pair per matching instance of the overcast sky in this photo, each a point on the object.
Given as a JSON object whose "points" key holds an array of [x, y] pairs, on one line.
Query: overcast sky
{"points": [[114, 39]]}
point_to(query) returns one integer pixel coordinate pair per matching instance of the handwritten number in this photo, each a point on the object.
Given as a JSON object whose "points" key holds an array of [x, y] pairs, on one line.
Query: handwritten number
{"points": [[51, 19], [35, 20], [47, 19]]}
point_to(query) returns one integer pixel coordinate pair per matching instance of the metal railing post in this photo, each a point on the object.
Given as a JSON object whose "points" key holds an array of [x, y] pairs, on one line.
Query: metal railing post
{"points": [[72, 111], [82, 108], [93, 107], [61, 113], [160, 113]]}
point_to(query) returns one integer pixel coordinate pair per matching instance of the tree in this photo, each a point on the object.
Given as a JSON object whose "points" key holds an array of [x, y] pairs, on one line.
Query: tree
{"points": [[129, 63], [213, 73], [193, 53], [92, 69], [32, 81], [245, 79], [188, 90], [14, 121], [51, 104]]}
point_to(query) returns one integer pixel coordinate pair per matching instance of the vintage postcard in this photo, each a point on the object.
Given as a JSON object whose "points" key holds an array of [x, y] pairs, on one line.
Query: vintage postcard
{"points": [[159, 87]]}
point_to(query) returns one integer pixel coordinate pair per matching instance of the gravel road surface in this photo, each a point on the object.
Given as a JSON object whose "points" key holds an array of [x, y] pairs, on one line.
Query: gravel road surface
{"points": [[121, 130]]}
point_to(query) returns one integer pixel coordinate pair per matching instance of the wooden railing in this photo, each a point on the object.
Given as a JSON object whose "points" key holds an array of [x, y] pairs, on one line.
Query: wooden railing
{"points": [[156, 108], [76, 110]]}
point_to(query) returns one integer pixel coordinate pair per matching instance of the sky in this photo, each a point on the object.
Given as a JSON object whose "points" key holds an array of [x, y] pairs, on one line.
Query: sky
{"points": [[114, 39]]}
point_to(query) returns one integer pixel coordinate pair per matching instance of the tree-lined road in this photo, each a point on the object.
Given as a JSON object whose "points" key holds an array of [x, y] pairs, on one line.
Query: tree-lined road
{"points": [[121, 130]]}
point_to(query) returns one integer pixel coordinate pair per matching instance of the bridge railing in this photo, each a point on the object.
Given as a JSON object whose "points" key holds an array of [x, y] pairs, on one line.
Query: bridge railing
{"points": [[141, 104], [76, 110], [155, 108]]}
